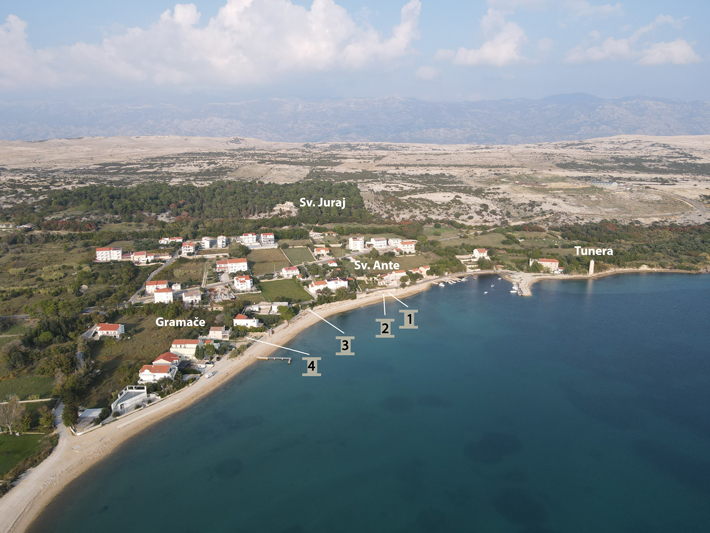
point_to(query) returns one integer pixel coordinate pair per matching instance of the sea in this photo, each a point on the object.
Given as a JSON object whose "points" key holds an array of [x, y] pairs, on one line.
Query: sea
{"points": [[584, 408]]}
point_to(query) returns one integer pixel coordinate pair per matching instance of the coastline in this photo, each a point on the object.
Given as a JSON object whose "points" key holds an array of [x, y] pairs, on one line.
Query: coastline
{"points": [[74, 455]]}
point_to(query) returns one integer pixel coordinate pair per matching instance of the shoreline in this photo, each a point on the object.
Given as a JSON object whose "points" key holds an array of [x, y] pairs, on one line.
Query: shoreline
{"points": [[74, 455]]}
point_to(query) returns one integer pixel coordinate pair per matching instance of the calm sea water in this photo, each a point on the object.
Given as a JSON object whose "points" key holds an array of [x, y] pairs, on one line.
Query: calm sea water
{"points": [[585, 408]]}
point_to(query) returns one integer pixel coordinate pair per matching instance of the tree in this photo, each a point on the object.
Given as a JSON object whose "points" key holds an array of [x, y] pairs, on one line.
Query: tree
{"points": [[25, 423], [210, 350], [11, 413], [199, 353], [15, 356], [46, 418], [238, 250], [70, 414]]}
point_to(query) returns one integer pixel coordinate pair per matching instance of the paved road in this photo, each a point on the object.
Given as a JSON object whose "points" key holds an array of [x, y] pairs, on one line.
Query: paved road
{"points": [[134, 298]]}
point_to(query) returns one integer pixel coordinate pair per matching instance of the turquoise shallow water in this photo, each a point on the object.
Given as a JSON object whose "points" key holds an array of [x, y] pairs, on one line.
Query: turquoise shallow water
{"points": [[585, 409]]}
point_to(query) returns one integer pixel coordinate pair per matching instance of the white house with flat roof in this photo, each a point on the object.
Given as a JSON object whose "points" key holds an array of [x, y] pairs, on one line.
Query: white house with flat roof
{"points": [[206, 243], [129, 398], [219, 333], [221, 241], [377, 243], [394, 242], [104, 255], [356, 244]]}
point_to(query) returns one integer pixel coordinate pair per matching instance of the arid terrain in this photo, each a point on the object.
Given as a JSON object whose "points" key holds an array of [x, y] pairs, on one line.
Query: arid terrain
{"points": [[628, 178]]}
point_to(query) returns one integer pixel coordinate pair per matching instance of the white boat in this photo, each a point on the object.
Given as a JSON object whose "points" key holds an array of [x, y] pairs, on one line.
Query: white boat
{"points": [[441, 284], [485, 292], [492, 285], [514, 291]]}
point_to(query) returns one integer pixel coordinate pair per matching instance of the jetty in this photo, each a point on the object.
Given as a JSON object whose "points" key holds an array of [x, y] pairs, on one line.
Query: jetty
{"points": [[274, 359]]}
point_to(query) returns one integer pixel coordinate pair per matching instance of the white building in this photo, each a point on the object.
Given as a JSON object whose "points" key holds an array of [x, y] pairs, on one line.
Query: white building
{"points": [[152, 286], [104, 255], [317, 286], [164, 240], [163, 296], [185, 348], [175, 239], [315, 235], [248, 238], [129, 398], [332, 263], [356, 244], [289, 272], [168, 358], [243, 283], [408, 247], [192, 297], [480, 253], [424, 271], [552, 265], [153, 373], [142, 257], [110, 330], [378, 243], [321, 251], [187, 248], [337, 283], [206, 243], [176, 287], [221, 241], [232, 265], [267, 238], [219, 333], [245, 321], [394, 242]]}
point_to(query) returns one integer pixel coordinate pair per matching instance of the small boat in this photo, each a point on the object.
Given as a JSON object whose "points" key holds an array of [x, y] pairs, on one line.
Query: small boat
{"points": [[492, 285], [441, 284], [485, 292], [514, 291]]}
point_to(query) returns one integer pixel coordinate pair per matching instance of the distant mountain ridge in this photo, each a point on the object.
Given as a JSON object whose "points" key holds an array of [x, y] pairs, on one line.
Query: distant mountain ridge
{"points": [[389, 119]]}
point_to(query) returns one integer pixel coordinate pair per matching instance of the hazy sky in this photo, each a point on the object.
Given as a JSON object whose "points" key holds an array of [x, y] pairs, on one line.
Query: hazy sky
{"points": [[440, 50]]}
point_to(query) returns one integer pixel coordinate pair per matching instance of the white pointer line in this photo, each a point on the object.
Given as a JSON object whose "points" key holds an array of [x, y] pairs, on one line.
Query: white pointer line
{"points": [[324, 320], [384, 308], [282, 347], [400, 301]]}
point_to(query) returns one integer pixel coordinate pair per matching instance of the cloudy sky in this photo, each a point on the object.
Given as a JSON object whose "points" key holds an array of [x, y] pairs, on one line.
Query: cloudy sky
{"points": [[438, 50]]}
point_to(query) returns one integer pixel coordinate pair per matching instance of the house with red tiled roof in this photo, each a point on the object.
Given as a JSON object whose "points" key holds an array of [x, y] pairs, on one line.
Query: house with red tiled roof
{"points": [[110, 330], [168, 358], [153, 373]]}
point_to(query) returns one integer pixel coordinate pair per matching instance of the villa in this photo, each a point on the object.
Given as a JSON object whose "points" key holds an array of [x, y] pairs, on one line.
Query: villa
{"points": [[289, 272], [320, 251], [185, 348], [219, 333], [408, 247], [232, 265], [267, 239], [110, 330], [153, 373], [206, 243], [192, 297], [356, 244], [245, 321], [378, 243], [248, 238], [104, 255], [168, 358], [187, 248], [480, 253], [129, 397]]}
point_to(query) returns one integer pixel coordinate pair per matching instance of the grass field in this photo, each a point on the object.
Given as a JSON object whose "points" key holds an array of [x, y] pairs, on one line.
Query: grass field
{"points": [[119, 361], [252, 298], [299, 255], [338, 251], [445, 232], [26, 386], [283, 289], [182, 270], [15, 449], [264, 261]]}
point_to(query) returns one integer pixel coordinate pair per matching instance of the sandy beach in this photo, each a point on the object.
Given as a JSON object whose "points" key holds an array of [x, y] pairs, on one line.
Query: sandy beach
{"points": [[76, 454]]}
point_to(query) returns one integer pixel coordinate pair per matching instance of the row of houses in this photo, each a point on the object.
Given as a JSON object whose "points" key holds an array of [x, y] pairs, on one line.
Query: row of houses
{"points": [[358, 244]]}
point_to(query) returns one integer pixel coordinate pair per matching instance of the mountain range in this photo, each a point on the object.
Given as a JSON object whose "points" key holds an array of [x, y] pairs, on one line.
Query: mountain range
{"points": [[388, 119]]}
